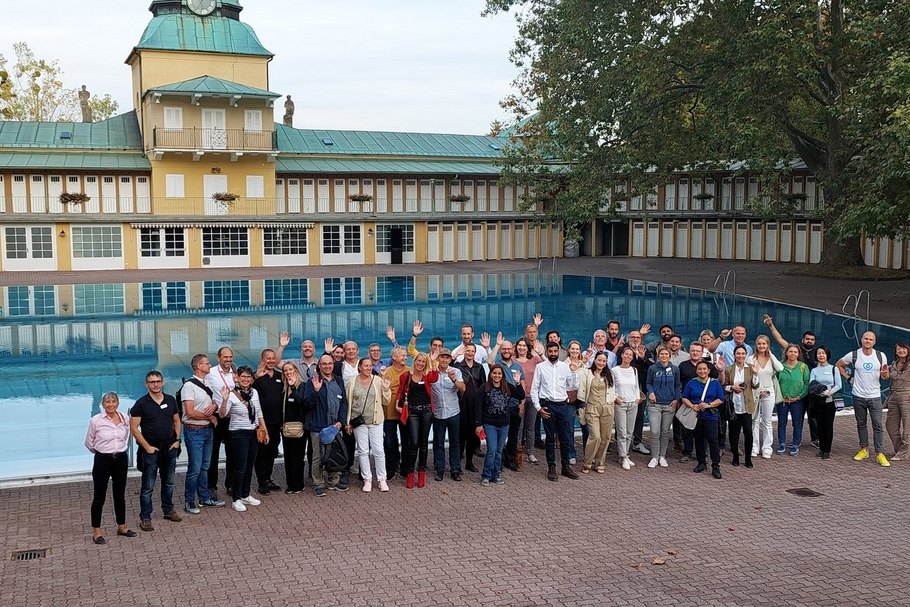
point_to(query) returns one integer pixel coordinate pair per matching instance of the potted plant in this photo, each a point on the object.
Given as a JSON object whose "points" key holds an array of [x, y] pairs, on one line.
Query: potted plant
{"points": [[360, 197], [225, 197], [73, 198]]}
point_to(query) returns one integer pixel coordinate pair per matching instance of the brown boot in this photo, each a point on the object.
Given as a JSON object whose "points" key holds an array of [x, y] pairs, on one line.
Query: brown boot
{"points": [[551, 473], [569, 473], [519, 457]]}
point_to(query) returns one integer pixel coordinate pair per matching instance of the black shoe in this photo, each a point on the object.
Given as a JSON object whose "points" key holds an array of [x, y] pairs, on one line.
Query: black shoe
{"points": [[749, 463], [715, 471], [551, 473], [390, 474], [511, 466], [569, 473], [456, 476], [344, 481], [273, 486], [319, 491], [264, 490], [700, 468], [471, 468], [735, 461], [439, 476], [827, 455], [820, 454], [539, 444]]}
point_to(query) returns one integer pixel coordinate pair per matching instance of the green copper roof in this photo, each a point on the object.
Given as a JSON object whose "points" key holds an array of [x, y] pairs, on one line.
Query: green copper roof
{"points": [[211, 34], [388, 167], [116, 133], [76, 160], [305, 141], [210, 85]]}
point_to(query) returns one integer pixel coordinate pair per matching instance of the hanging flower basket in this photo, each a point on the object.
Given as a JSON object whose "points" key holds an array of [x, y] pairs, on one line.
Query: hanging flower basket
{"points": [[459, 198], [225, 197], [360, 197], [73, 198], [703, 196]]}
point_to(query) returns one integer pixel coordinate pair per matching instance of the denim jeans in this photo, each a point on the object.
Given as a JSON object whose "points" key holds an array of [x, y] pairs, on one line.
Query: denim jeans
{"points": [[624, 419], [198, 443], [561, 424], [661, 416], [243, 446], [873, 408], [163, 463], [451, 425], [795, 411], [496, 440]]}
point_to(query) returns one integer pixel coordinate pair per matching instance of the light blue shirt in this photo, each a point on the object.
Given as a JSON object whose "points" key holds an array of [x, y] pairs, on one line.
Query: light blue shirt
{"points": [[726, 349], [445, 395]]}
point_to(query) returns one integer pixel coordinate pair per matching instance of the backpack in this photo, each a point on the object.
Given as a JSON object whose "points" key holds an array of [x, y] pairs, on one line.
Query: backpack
{"points": [[335, 455], [852, 371], [184, 381]]}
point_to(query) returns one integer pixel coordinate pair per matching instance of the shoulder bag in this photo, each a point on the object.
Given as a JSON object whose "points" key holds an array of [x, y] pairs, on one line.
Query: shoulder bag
{"points": [[290, 429], [687, 416]]}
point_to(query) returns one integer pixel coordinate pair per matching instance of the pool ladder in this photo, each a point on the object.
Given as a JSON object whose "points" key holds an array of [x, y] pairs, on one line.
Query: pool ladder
{"points": [[854, 316], [725, 284]]}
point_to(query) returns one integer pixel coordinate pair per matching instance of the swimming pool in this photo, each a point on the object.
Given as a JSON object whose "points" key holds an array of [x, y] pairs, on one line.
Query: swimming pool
{"points": [[62, 347]]}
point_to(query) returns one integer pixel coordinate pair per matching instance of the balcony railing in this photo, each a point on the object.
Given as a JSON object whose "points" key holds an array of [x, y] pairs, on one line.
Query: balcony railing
{"points": [[214, 139]]}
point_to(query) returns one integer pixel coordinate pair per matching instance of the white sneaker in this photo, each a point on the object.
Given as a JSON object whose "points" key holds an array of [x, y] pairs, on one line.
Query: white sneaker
{"points": [[766, 455], [367, 486], [572, 461], [626, 464], [663, 462], [640, 447], [652, 463], [533, 458], [754, 452], [238, 506], [629, 459], [383, 486], [250, 500]]}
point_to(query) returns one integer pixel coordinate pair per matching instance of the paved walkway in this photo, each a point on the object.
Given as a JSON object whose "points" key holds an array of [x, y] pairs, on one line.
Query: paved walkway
{"points": [[757, 279], [644, 537]]}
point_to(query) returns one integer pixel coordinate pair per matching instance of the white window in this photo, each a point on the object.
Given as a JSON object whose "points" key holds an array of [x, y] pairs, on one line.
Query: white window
{"points": [[252, 120], [173, 118], [162, 242], [173, 186], [29, 243], [225, 241], [97, 242], [285, 241], [255, 186]]}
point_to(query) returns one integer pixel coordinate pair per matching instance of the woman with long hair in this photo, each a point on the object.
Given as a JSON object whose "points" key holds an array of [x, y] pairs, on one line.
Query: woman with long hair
{"points": [[740, 382], [495, 401], [295, 447], [899, 403], [793, 379], [765, 366], [243, 410], [528, 359], [595, 391], [664, 391], [577, 360], [368, 395], [414, 391], [628, 396], [823, 408]]}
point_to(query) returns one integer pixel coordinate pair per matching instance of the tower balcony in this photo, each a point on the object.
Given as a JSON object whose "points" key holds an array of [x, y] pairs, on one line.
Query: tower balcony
{"points": [[201, 141]]}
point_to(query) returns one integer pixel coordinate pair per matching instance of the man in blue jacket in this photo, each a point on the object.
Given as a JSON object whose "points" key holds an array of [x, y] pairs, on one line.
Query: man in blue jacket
{"points": [[326, 404]]}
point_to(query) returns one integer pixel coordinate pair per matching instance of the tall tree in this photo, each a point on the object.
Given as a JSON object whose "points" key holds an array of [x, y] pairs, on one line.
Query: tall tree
{"points": [[33, 89], [638, 89]]}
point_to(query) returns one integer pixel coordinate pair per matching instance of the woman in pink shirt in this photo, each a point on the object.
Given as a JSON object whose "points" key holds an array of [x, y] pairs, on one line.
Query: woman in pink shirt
{"points": [[528, 359], [107, 437]]}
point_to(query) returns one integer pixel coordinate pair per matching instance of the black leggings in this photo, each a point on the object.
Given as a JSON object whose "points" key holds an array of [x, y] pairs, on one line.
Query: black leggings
{"points": [[109, 466], [823, 413], [419, 424], [741, 421]]}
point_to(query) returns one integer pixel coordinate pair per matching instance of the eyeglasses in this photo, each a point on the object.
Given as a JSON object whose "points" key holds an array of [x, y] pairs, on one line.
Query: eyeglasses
{"points": [[155, 381]]}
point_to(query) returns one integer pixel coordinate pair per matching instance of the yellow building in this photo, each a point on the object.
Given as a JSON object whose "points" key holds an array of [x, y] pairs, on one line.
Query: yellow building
{"points": [[197, 174]]}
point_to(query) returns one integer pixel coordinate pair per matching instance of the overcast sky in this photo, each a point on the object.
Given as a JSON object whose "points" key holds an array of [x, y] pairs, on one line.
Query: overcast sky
{"points": [[402, 65]]}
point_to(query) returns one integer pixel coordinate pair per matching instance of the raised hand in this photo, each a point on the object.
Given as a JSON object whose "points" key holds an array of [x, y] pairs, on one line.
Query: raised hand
{"points": [[390, 333], [260, 370], [418, 328], [645, 329], [386, 382], [329, 344], [225, 393], [284, 338], [499, 338], [766, 318], [485, 340], [317, 382], [538, 319]]}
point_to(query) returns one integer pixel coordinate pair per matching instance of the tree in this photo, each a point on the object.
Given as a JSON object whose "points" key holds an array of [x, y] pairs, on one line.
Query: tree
{"points": [[33, 89], [637, 89]]}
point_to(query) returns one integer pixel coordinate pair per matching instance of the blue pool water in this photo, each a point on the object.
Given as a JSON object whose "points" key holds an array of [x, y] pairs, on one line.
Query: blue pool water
{"points": [[62, 347]]}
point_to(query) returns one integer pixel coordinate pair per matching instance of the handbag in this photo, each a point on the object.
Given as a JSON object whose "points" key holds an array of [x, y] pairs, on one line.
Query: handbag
{"points": [[778, 395], [290, 429], [261, 434], [688, 416], [358, 421], [404, 402]]}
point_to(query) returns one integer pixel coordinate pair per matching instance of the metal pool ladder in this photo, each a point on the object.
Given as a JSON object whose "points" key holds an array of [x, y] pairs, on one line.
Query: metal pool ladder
{"points": [[853, 316]]}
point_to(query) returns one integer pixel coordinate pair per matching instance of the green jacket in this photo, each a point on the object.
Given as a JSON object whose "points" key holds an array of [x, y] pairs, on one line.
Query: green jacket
{"points": [[794, 383]]}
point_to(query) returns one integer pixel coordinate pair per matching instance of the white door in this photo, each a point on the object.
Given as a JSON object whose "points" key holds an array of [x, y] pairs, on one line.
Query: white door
{"points": [[108, 194], [125, 193], [38, 194], [492, 241], [519, 241], [143, 200], [477, 241], [802, 243], [93, 192], [505, 237], [432, 243], [448, 243], [20, 199], [54, 188], [293, 195], [279, 195], [726, 240], [214, 137], [213, 184], [463, 254]]}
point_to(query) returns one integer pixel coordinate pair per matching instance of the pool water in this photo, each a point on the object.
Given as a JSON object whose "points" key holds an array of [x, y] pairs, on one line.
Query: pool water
{"points": [[62, 347]]}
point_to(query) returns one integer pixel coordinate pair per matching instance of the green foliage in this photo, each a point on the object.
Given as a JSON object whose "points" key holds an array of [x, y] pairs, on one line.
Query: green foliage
{"points": [[32, 89], [643, 88]]}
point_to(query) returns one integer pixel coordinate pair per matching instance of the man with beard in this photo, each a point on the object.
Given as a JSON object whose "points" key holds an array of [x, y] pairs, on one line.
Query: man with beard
{"points": [[474, 376], [395, 437], [552, 379], [600, 345], [677, 354], [642, 359], [807, 347], [666, 332]]}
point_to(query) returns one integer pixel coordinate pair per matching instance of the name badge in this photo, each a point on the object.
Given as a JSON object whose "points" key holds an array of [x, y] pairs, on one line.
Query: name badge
{"points": [[162, 406], [277, 380], [290, 400]]}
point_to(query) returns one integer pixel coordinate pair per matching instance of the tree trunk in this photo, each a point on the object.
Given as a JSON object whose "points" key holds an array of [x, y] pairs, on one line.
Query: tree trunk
{"points": [[837, 254]]}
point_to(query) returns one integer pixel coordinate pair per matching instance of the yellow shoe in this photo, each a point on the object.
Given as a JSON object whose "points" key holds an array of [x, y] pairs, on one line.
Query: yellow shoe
{"points": [[882, 460], [861, 455]]}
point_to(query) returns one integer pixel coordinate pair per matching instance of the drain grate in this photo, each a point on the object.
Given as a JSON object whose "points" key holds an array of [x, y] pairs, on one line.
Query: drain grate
{"points": [[804, 492], [29, 555]]}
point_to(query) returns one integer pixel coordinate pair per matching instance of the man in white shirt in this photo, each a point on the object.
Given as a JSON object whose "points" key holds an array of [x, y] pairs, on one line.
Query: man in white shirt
{"points": [[467, 337], [198, 421], [219, 377], [552, 379], [599, 344], [725, 348], [870, 366]]}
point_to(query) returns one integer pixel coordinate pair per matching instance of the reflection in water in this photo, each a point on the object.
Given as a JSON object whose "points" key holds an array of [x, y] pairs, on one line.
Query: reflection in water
{"points": [[63, 346]]}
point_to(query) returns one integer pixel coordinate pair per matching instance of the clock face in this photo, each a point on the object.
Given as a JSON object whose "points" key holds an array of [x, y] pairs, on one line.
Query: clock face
{"points": [[201, 7]]}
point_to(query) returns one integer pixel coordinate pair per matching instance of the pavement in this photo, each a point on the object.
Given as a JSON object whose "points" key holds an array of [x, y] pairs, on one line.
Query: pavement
{"points": [[644, 537]]}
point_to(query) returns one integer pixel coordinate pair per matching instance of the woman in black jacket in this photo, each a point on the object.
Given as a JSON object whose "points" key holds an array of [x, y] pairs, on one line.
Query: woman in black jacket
{"points": [[495, 400]]}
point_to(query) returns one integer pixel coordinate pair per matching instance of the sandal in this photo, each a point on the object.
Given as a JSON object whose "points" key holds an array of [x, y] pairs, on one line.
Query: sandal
{"points": [[601, 469], [586, 470], [127, 533], [99, 540]]}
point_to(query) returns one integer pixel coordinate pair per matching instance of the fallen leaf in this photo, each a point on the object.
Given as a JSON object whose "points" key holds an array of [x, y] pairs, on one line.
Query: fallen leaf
{"points": [[637, 565], [658, 561], [731, 529], [673, 552], [758, 507]]}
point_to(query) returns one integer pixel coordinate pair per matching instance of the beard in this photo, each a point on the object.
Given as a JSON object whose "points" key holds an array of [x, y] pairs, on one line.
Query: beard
{"points": [[552, 357]]}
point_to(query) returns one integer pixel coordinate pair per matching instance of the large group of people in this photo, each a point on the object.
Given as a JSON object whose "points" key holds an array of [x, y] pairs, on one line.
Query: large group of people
{"points": [[338, 415]]}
